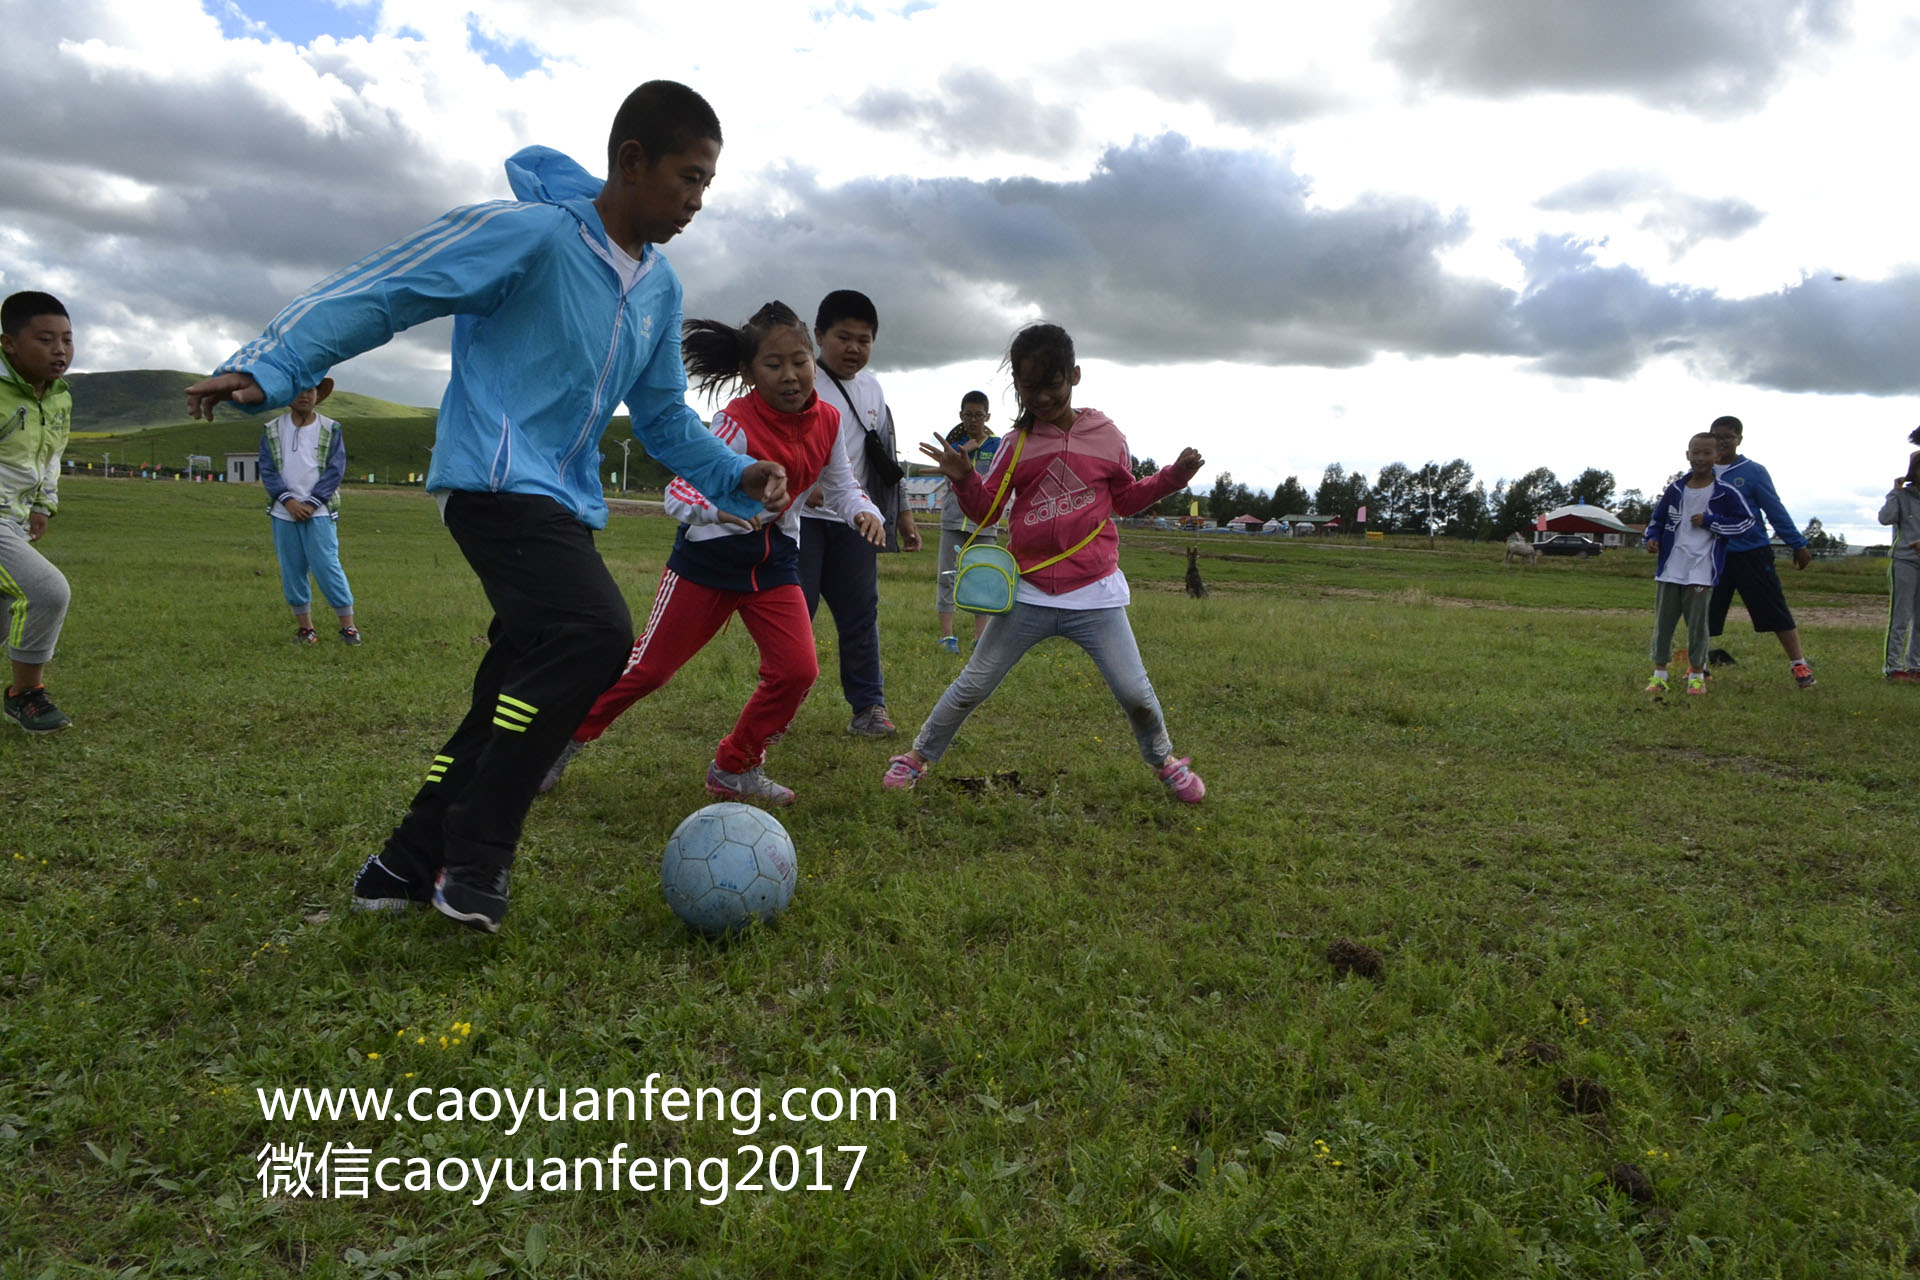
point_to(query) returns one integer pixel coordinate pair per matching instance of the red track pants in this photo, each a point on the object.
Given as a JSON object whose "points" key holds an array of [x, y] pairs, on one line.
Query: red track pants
{"points": [[685, 616]]}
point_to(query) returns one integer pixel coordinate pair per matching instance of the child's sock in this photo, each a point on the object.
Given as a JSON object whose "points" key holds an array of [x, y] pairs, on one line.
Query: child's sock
{"points": [[1659, 673]]}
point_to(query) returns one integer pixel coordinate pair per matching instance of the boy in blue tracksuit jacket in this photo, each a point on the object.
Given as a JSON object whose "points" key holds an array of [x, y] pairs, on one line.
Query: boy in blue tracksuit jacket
{"points": [[563, 308], [1692, 525], [1750, 569]]}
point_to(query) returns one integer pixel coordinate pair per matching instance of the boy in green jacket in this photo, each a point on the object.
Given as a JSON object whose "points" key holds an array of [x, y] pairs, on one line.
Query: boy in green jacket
{"points": [[36, 413]]}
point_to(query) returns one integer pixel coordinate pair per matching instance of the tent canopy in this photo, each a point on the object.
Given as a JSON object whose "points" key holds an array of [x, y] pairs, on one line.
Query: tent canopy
{"points": [[1591, 514]]}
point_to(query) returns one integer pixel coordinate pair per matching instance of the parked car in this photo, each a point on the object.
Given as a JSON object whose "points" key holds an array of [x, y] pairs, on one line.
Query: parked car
{"points": [[1570, 544]]}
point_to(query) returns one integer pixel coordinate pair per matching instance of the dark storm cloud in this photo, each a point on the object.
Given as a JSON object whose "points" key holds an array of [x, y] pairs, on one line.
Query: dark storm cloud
{"points": [[1680, 219], [1824, 335], [1714, 55], [1169, 253], [1821, 335], [194, 210], [973, 111], [215, 165], [1165, 253]]}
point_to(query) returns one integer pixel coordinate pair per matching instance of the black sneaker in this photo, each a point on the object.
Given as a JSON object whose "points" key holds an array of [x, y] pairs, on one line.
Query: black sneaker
{"points": [[378, 889], [350, 634], [1720, 658], [475, 896], [34, 711]]}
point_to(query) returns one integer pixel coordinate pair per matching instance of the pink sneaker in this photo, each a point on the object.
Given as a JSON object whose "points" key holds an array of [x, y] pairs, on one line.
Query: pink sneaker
{"points": [[902, 772], [1183, 782]]}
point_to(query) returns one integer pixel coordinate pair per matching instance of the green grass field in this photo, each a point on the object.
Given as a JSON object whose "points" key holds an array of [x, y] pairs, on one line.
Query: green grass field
{"points": [[1643, 1002]]}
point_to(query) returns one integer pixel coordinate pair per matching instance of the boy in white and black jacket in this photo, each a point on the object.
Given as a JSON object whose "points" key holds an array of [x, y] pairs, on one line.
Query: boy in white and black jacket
{"points": [[1689, 531]]}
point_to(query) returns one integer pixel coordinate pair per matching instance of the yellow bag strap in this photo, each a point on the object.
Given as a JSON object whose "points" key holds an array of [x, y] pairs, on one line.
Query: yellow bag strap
{"points": [[1064, 554], [1006, 478], [994, 512]]}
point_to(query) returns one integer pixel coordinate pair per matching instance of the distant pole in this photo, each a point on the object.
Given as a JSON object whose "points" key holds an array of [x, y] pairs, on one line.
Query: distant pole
{"points": [[625, 445], [107, 460]]}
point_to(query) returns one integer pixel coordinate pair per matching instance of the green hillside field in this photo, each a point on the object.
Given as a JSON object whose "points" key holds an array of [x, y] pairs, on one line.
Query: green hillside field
{"points": [[385, 447], [125, 400]]}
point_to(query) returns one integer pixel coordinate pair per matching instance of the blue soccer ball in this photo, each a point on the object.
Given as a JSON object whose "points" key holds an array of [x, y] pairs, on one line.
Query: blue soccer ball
{"points": [[727, 865]]}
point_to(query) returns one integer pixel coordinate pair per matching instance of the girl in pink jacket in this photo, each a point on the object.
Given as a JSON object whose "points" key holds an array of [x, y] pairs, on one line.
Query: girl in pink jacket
{"points": [[1071, 473]]}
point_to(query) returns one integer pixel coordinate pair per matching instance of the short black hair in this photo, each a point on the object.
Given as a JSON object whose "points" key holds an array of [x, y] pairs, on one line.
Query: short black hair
{"points": [[23, 308], [1914, 436], [664, 117], [846, 304], [980, 397], [1730, 422]]}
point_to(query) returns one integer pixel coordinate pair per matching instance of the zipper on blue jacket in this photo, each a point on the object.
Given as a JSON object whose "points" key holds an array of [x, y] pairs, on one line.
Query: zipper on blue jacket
{"points": [[600, 387]]}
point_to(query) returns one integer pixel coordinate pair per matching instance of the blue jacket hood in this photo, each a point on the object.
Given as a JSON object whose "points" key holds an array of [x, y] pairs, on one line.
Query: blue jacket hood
{"points": [[546, 175]]}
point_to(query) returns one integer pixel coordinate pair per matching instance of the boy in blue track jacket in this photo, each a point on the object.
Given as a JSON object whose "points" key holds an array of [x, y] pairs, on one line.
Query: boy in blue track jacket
{"points": [[563, 307], [1749, 568], [1691, 526]]}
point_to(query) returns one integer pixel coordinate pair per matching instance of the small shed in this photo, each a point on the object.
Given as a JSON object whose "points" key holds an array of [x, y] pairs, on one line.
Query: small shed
{"points": [[925, 493], [1584, 518], [243, 468]]}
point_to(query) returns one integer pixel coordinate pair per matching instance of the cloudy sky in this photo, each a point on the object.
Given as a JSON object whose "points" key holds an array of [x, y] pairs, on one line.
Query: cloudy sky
{"points": [[1560, 233]]}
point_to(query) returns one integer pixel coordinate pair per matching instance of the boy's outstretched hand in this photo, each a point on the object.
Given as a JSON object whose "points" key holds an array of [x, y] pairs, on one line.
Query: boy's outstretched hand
{"points": [[766, 483], [1188, 462], [952, 463], [871, 527], [205, 395]]}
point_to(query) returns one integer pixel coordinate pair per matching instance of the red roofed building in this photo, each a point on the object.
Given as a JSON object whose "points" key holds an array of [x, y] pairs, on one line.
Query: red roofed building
{"points": [[1596, 522]]}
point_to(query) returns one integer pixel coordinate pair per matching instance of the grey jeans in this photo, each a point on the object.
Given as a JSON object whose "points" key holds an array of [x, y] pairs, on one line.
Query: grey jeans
{"points": [[1671, 601], [1903, 617], [34, 595], [1107, 637]]}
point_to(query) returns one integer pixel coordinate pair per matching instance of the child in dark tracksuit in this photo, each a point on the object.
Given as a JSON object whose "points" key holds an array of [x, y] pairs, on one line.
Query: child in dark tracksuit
{"points": [[563, 308]]}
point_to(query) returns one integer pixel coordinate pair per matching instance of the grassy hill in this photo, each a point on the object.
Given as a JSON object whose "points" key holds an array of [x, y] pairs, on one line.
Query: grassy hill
{"points": [[138, 417], [387, 447], [135, 399]]}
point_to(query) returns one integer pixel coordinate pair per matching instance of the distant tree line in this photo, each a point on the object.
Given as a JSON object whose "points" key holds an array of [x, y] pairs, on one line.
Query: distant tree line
{"points": [[1435, 497]]}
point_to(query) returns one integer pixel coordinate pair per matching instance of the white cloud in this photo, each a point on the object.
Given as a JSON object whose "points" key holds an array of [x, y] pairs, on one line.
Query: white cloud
{"points": [[1429, 213]]}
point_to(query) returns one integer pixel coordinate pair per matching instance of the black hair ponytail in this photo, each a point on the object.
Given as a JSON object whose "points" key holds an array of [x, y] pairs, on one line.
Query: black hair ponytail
{"points": [[717, 355]]}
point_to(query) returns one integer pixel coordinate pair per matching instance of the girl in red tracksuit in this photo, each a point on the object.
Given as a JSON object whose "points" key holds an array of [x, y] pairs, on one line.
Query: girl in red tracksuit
{"points": [[1068, 471], [722, 564]]}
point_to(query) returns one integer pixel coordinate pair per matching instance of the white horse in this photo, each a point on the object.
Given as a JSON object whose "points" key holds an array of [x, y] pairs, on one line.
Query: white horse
{"points": [[1518, 548]]}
